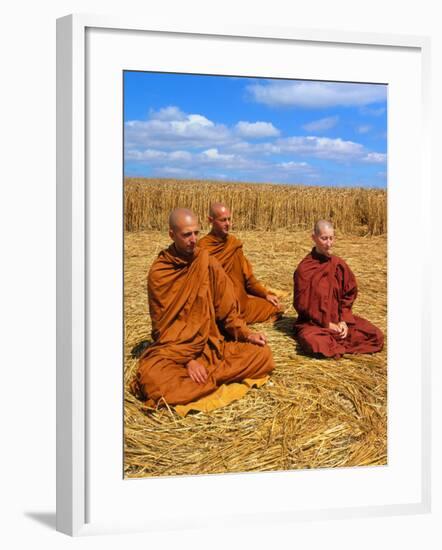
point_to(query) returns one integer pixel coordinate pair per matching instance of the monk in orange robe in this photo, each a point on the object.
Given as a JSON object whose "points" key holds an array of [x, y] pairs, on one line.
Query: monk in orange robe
{"points": [[257, 304], [189, 295], [324, 291]]}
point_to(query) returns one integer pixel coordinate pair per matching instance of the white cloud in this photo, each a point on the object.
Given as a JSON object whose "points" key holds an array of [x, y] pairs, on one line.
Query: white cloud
{"points": [[199, 120], [214, 164], [213, 154], [247, 148], [258, 156], [316, 94], [156, 159], [148, 154], [293, 168], [291, 165], [175, 171], [363, 129], [322, 147], [171, 128], [153, 155], [171, 143], [213, 158], [256, 129], [375, 158], [287, 171], [321, 124], [168, 113], [180, 155]]}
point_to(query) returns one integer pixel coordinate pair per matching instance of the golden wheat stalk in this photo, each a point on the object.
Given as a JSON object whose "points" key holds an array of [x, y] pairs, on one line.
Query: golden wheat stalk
{"points": [[357, 211]]}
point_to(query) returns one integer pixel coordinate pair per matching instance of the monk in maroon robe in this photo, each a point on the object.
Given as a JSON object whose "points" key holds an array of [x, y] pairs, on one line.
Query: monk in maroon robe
{"points": [[189, 296], [257, 304], [324, 291]]}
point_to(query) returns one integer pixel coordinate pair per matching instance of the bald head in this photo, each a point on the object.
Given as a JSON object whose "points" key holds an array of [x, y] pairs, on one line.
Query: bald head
{"points": [[320, 225], [217, 208], [323, 236], [180, 216], [220, 218], [184, 231]]}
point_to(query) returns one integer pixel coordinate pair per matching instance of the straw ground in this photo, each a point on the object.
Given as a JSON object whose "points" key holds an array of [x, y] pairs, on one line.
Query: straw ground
{"points": [[311, 414]]}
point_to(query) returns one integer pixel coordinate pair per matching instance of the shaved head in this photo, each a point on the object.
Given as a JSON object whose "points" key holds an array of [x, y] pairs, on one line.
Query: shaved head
{"points": [[181, 216], [216, 208], [323, 236], [184, 231], [220, 218], [320, 225]]}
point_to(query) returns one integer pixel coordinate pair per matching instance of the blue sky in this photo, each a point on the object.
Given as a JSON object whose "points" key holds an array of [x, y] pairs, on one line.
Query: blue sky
{"points": [[251, 129]]}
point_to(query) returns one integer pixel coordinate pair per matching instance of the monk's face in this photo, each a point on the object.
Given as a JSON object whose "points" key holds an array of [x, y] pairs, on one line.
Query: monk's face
{"points": [[185, 236], [222, 222], [324, 240]]}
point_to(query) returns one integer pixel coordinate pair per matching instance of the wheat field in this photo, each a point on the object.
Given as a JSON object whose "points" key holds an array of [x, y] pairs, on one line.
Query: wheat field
{"points": [[354, 211], [312, 413]]}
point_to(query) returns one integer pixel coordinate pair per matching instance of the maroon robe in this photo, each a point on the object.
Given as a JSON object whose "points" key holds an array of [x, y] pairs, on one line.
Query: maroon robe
{"points": [[324, 291]]}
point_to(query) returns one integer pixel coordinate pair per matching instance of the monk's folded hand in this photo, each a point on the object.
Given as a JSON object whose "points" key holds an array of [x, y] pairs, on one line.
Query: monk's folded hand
{"points": [[344, 329], [257, 338], [273, 300], [334, 327], [197, 372]]}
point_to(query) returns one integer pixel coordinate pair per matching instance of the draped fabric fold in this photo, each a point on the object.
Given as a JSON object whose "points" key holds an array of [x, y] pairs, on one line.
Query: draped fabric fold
{"points": [[251, 294]]}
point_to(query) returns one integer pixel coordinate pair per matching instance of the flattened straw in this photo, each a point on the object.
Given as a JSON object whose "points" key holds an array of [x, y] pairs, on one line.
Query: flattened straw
{"points": [[311, 414]]}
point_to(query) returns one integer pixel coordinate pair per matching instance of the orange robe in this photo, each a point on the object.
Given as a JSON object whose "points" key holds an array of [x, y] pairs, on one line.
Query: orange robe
{"points": [[324, 291], [188, 298], [251, 295]]}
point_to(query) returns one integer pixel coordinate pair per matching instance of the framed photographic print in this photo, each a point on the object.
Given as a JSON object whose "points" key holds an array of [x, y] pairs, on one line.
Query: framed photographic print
{"points": [[279, 128]]}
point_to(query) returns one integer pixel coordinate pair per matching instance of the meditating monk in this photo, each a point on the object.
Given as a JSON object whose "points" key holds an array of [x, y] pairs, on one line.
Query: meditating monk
{"points": [[257, 304], [325, 289], [189, 295]]}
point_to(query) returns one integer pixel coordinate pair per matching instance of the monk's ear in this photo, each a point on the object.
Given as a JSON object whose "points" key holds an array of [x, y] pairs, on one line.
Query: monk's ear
{"points": [[210, 219], [171, 234]]}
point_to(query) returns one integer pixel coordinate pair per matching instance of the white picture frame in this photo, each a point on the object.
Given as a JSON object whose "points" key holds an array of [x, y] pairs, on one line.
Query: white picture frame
{"points": [[84, 404]]}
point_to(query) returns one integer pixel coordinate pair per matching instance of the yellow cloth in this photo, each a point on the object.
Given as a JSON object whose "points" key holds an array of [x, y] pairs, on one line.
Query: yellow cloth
{"points": [[222, 396]]}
